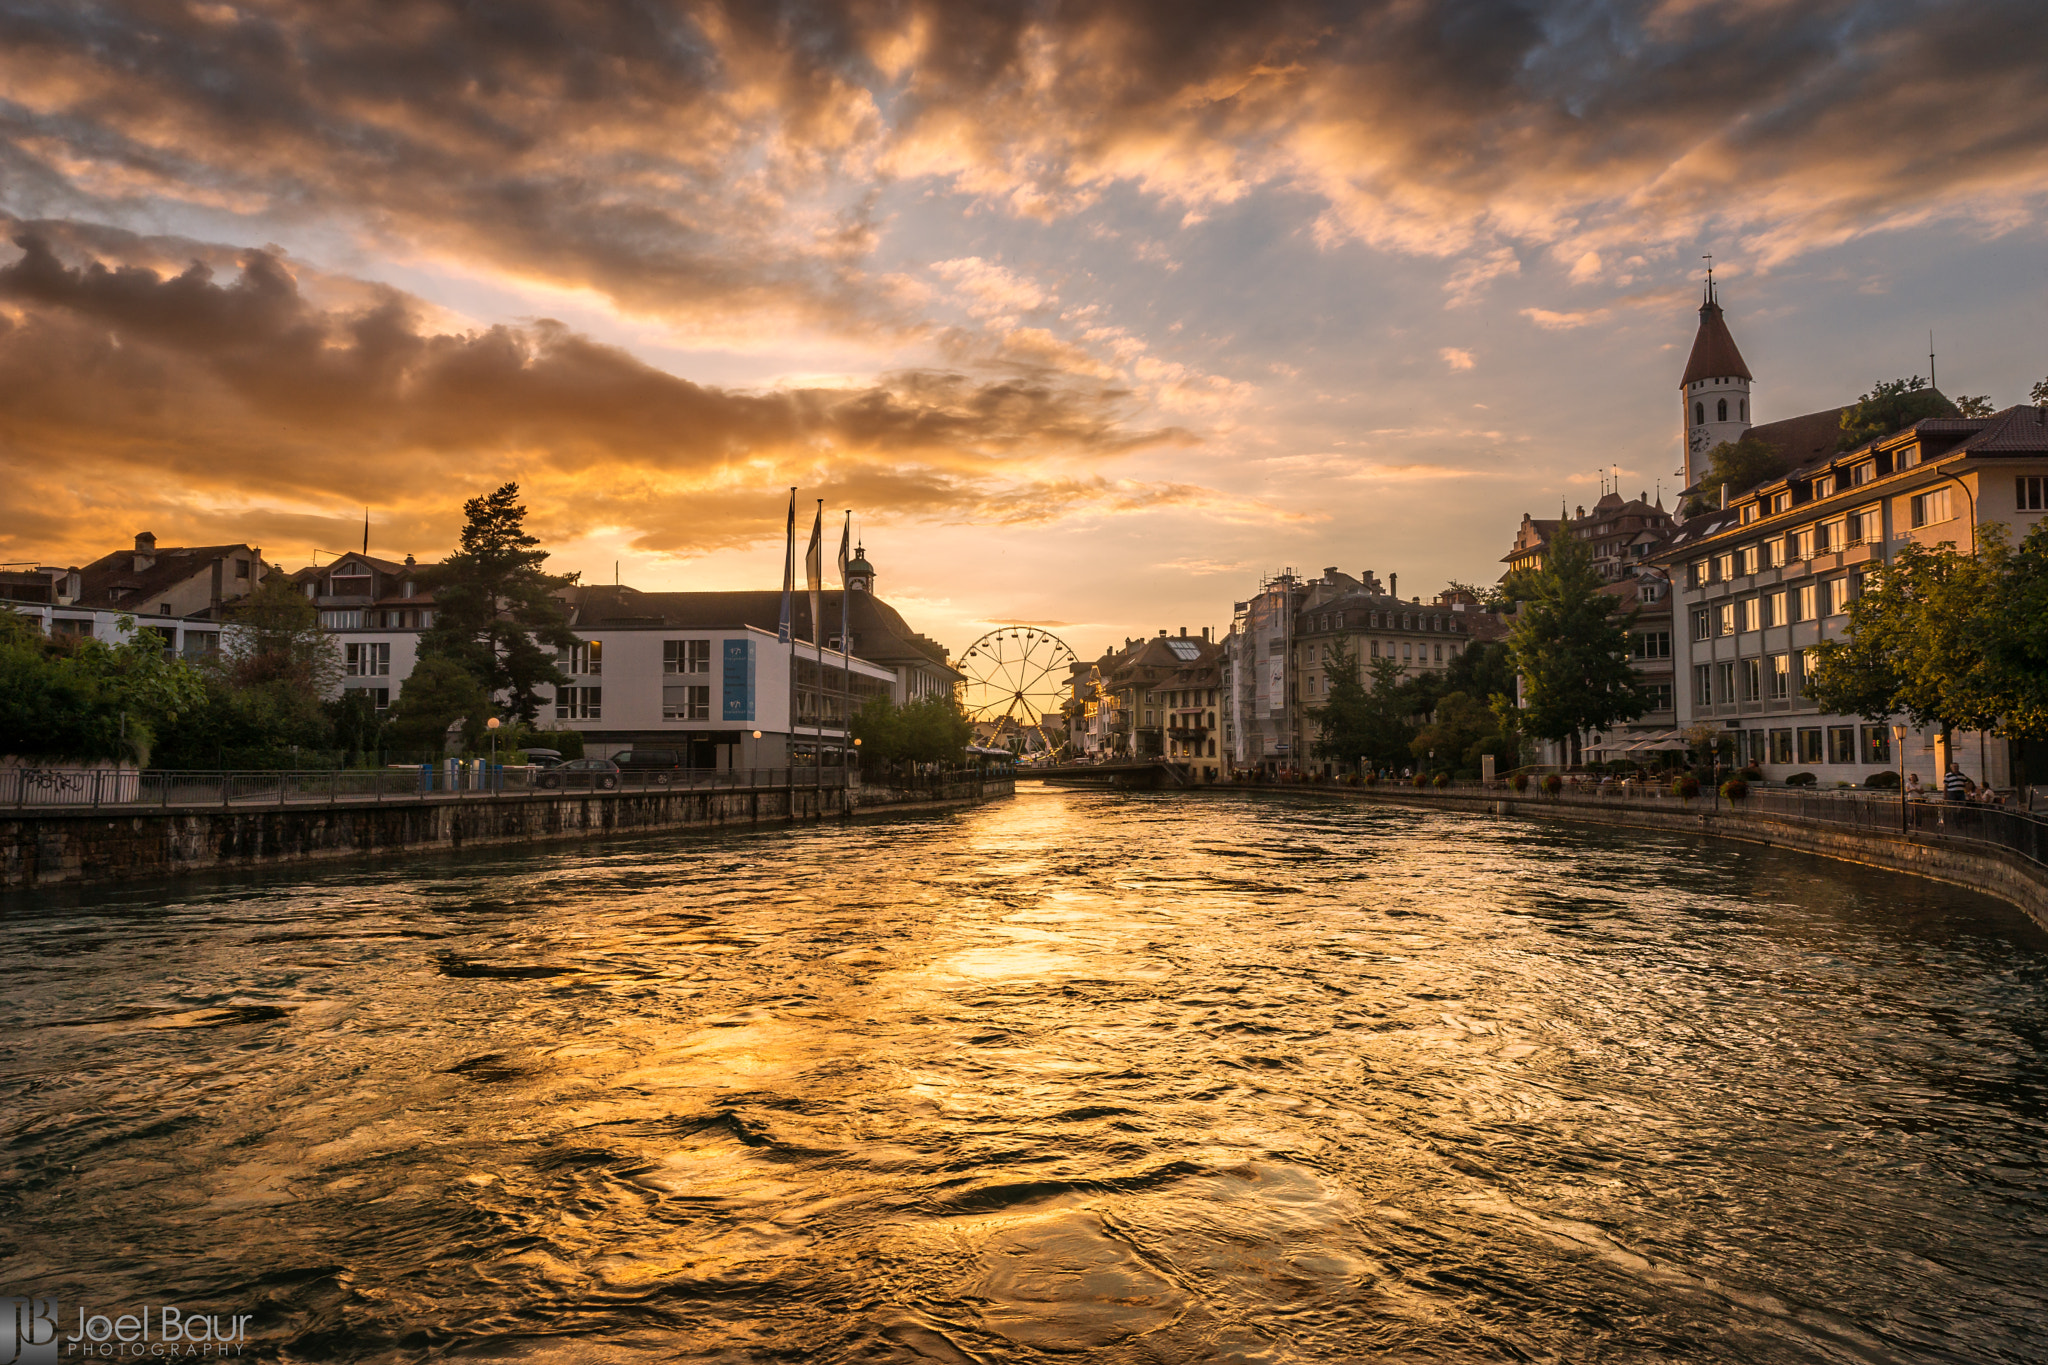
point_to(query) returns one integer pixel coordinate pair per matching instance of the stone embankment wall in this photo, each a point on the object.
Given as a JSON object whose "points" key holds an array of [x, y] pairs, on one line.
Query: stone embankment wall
{"points": [[45, 848], [1982, 867]]}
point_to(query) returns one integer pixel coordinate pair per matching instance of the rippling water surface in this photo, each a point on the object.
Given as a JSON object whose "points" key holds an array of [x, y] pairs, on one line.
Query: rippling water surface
{"points": [[1149, 1078]]}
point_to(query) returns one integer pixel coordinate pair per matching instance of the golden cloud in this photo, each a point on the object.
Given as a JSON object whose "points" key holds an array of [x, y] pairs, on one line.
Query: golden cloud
{"points": [[244, 396]]}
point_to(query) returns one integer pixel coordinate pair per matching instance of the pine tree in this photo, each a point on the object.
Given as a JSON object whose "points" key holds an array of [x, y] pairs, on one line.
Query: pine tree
{"points": [[1359, 721], [1570, 647], [495, 610]]}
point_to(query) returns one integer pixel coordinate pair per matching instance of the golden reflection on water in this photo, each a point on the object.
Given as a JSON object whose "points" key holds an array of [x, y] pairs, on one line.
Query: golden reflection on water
{"points": [[1144, 1078]]}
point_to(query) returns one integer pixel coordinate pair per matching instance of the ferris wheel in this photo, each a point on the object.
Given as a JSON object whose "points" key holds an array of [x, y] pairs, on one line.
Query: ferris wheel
{"points": [[1016, 677]]}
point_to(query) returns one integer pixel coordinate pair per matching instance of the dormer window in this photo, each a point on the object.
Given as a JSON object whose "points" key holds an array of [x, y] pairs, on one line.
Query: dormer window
{"points": [[1781, 502], [1824, 486], [1907, 457], [1863, 473], [1750, 512]]}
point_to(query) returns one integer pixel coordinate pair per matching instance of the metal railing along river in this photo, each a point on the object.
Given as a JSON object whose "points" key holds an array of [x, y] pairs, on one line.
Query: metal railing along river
{"points": [[128, 789]]}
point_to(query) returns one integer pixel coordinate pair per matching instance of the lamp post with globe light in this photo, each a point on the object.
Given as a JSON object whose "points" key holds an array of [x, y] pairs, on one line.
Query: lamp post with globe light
{"points": [[1905, 818], [492, 725]]}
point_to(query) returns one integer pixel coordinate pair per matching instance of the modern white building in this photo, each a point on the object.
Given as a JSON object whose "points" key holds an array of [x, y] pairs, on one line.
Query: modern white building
{"points": [[724, 696], [700, 672]]}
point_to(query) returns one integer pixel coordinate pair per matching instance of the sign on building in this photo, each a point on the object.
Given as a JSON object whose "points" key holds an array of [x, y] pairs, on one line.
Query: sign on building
{"points": [[739, 681]]}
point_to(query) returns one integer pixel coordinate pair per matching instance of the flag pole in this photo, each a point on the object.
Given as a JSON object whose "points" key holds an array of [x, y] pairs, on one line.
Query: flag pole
{"points": [[789, 638], [845, 659], [814, 579]]}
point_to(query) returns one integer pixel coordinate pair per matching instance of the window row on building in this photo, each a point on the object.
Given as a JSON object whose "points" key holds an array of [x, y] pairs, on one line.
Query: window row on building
{"points": [[1865, 745], [1786, 607]]}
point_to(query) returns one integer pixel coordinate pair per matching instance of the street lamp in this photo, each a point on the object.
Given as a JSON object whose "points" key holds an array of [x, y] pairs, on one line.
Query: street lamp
{"points": [[492, 725], [1899, 738]]}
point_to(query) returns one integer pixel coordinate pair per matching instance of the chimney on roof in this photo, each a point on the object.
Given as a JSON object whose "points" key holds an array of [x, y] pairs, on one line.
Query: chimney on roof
{"points": [[1205, 635], [1393, 585], [1330, 574], [1183, 632], [145, 550], [1162, 632]]}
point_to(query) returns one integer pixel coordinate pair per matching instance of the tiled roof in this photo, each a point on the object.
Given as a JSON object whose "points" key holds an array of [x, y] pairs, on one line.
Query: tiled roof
{"points": [[1804, 439], [2017, 430], [113, 580], [387, 566], [880, 634], [1714, 353], [1153, 662]]}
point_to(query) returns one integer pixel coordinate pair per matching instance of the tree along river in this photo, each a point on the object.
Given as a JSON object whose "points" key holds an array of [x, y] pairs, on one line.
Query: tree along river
{"points": [[1154, 1078]]}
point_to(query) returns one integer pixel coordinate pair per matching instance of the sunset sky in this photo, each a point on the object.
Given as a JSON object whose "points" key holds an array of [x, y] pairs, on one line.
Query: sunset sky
{"points": [[1093, 313]]}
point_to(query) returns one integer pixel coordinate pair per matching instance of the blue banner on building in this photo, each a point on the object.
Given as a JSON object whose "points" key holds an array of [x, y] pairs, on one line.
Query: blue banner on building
{"points": [[739, 681]]}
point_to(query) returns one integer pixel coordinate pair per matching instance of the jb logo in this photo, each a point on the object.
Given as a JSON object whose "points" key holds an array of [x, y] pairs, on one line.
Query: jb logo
{"points": [[28, 1331]]}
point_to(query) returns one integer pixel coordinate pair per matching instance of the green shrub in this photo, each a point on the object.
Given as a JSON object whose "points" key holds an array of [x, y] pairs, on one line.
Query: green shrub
{"points": [[1800, 780], [1885, 781], [1686, 786]]}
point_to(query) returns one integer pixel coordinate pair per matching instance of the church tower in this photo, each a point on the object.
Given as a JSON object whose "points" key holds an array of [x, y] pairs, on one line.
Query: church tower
{"points": [[860, 575], [1715, 390]]}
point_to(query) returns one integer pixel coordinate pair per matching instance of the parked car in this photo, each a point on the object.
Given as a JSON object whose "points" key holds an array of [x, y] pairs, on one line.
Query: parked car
{"points": [[544, 758], [658, 766], [596, 774]]}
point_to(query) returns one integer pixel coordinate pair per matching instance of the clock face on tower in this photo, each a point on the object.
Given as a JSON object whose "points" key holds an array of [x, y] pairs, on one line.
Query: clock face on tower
{"points": [[1696, 441]]}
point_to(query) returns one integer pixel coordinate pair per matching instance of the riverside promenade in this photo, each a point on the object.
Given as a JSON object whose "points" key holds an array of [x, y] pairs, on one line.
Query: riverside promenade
{"points": [[2002, 852], [126, 827]]}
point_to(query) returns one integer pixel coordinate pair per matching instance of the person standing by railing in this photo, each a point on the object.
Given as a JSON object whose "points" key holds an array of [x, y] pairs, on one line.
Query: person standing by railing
{"points": [[1955, 786]]}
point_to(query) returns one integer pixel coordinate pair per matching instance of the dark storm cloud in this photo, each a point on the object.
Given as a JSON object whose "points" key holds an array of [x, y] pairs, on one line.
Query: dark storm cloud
{"points": [[1440, 128], [720, 160]]}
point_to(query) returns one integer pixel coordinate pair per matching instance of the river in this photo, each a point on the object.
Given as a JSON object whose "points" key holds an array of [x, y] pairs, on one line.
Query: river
{"points": [[1154, 1078]]}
